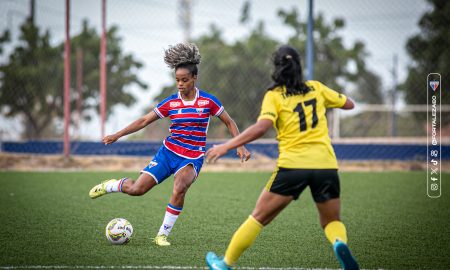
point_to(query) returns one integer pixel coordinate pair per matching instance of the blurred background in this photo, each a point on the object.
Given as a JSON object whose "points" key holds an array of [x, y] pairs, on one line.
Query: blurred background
{"points": [[377, 52]]}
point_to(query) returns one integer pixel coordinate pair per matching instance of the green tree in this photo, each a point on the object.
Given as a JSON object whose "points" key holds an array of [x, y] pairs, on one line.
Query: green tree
{"points": [[335, 64], [26, 86], [121, 68], [32, 79], [239, 73], [430, 52]]}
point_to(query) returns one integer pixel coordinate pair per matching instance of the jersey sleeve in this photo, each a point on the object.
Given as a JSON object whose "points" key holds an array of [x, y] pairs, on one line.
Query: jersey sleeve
{"points": [[269, 107], [162, 109], [332, 98], [216, 107]]}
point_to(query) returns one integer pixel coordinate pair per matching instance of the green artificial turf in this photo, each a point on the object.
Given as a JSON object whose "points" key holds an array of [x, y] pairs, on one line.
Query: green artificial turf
{"points": [[49, 220]]}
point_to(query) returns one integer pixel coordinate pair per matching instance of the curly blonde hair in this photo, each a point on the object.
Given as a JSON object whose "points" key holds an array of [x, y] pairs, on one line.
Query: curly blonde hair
{"points": [[182, 54]]}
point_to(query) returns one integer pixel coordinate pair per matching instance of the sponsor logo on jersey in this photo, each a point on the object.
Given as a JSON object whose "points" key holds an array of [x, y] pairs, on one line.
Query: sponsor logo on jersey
{"points": [[174, 104], [199, 110], [203, 102]]}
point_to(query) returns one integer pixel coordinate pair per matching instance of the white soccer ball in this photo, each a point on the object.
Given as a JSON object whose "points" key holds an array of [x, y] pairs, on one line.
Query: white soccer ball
{"points": [[119, 231]]}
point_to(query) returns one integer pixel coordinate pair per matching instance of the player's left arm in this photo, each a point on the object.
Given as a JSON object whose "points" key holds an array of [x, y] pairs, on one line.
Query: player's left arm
{"points": [[242, 152], [334, 99], [348, 105]]}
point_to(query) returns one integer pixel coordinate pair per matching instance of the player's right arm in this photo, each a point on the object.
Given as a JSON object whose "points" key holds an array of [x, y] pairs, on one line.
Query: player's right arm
{"points": [[133, 127]]}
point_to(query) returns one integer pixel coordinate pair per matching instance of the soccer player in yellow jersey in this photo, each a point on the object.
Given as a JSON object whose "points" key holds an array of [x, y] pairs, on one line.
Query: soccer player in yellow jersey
{"points": [[296, 109]]}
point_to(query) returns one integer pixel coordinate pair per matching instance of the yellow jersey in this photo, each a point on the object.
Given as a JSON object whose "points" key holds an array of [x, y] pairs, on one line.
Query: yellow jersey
{"points": [[301, 125]]}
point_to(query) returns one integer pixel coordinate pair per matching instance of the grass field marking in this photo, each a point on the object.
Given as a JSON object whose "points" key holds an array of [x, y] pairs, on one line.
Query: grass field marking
{"points": [[149, 267]]}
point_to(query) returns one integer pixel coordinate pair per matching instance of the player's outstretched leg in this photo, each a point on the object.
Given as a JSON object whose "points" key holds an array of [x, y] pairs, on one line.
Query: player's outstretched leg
{"points": [[216, 263], [107, 186], [345, 256]]}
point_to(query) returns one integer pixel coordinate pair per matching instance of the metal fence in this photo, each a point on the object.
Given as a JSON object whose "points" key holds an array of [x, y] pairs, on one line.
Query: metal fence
{"points": [[363, 48]]}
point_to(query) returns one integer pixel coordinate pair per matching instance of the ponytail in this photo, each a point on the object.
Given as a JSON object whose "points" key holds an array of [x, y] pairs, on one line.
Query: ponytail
{"points": [[288, 71]]}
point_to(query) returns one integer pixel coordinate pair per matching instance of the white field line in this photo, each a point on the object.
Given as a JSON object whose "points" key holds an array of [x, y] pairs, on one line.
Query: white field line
{"points": [[148, 267]]}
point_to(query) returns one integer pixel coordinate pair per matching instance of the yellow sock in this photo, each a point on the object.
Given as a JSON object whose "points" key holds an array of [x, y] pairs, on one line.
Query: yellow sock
{"points": [[242, 239], [336, 230]]}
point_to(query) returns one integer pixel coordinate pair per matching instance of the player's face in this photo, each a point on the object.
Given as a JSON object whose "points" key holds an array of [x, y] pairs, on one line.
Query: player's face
{"points": [[185, 81]]}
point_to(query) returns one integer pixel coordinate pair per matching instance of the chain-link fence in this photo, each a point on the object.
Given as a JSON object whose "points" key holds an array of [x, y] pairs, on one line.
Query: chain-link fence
{"points": [[378, 54]]}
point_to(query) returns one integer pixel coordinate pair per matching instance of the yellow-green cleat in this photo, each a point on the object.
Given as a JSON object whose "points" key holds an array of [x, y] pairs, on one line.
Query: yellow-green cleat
{"points": [[100, 189], [161, 240]]}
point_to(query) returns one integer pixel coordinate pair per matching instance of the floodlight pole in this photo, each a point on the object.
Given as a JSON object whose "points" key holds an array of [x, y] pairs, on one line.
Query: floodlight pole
{"points": [[32, 10], [103, 71], [310, 42], [185, 16], [67, 83]]}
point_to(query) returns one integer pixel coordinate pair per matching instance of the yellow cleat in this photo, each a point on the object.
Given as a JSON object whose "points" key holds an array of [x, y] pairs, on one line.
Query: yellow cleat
{"points": [[161, 240], [100, 189]]}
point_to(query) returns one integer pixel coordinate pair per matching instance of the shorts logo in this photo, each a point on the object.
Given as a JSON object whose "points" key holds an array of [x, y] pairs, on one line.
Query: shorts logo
{"points": [[203, 102], [152, 164], [174, 104]]}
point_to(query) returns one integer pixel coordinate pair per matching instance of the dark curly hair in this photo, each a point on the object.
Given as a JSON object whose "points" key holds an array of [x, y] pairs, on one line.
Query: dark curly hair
{"points": [[288, 71]]}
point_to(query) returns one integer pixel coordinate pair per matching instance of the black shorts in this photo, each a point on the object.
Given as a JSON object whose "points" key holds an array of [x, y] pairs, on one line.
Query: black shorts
{"points": [[324, 183]]}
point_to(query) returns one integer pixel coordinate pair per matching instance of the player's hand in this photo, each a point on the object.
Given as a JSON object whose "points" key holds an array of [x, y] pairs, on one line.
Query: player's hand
{"points": [[243, 153], [215, 152], [110, 139]]}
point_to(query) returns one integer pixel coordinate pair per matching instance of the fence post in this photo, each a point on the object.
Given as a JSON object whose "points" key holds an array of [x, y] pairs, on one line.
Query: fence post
{"points": [[67, 83]]}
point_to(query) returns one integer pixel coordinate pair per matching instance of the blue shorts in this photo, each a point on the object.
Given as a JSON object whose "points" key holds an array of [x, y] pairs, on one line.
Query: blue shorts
{"points": [[166, 163]]}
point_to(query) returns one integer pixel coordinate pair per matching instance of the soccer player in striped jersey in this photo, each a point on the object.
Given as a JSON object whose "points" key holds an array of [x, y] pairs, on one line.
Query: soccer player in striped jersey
{"points": [[296, 109], [182, 152]]}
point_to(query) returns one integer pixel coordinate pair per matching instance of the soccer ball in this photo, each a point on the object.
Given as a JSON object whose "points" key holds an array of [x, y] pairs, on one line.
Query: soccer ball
{"points": [[119, 231]]}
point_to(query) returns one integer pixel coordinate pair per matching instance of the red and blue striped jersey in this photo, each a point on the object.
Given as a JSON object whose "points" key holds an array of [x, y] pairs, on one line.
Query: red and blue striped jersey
{"points": [[190, 120]]}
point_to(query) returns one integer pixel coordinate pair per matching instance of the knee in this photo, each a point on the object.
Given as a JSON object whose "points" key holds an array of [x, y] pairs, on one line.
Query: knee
{"points": [[261, 217], [179, 190]]}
